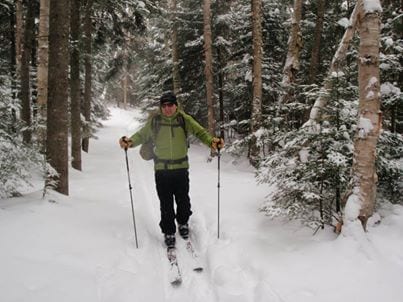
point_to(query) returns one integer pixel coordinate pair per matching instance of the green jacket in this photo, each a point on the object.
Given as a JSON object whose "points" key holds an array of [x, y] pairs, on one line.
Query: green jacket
{"points": [[170, 141]]}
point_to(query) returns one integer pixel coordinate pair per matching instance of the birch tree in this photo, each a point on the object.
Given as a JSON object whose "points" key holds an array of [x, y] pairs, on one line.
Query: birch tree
{"points": [[335, 67], [208, 67], [256, 115], [361, 202], [57, 113], [291, 65]]}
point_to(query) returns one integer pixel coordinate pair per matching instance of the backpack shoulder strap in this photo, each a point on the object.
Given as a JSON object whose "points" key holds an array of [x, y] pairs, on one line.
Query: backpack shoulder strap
{"points": [[155, 125], [181, 120]]}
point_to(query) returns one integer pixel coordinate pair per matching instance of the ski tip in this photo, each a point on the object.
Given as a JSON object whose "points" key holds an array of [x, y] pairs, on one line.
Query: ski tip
{"points": [[176, 282]]}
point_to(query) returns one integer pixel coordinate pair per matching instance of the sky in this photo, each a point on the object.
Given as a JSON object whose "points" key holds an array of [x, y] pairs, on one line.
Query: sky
{"points": [[81, 247]]}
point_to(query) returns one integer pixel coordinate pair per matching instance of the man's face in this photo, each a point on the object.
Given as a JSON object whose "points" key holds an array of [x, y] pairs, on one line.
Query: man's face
{"points": [[168, 109]]}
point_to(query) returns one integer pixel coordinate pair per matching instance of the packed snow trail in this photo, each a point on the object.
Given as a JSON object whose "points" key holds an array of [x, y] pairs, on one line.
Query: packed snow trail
{"points": [[82, 247]]}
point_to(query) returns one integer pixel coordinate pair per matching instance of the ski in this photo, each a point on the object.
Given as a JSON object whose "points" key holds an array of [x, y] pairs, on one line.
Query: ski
{"points": [[175, 277], [197, 267]]}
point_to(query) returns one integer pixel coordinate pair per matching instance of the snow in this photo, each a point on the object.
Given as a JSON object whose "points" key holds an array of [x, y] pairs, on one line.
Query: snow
{"points": [[344, 22], [371, 6], [81, 247]]}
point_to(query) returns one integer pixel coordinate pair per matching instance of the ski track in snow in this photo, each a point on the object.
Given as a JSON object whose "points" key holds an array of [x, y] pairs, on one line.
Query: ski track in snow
{"points": [[82, 247]]}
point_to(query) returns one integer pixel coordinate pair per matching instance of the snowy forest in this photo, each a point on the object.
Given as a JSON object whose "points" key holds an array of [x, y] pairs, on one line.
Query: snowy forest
{"points": [[279, 80], [306, 93]]}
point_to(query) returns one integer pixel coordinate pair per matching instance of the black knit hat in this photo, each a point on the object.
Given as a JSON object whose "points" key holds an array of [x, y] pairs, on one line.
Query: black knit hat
{"points": [[168, 97]]}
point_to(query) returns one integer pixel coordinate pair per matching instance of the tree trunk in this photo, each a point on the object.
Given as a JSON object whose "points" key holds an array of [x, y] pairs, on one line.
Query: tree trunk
{"points": [[19, 25], [337, 62], [42, 75], [88, 72], [364, 177], [175, 50], [57, 113], [25, 93], [125, 88], [291, 65], [43, 53], [256, 114], [208, 69], [313, 67], [222, 30], [75, 86]]}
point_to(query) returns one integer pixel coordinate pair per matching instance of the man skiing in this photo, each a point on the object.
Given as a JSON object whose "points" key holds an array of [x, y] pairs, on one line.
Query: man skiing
{"points": [[168, 131]]}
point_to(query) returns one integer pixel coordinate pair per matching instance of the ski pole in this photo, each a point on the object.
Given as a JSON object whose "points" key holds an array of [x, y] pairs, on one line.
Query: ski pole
{"points": [[131, 197], [218, 192]]}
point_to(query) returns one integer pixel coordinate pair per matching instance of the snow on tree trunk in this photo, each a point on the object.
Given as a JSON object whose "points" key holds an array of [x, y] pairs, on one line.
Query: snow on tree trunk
{"points": [[256, 115], [335, 66], [175, 51], [291, 65], [57, 113], [208, 69], [364, 177]]}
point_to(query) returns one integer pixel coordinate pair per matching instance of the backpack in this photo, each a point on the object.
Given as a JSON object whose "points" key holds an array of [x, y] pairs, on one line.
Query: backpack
{"points": [[147, 149]]}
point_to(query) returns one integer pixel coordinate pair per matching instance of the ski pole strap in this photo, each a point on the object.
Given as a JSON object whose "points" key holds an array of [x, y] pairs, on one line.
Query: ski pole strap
{"points": [[167, 162]]}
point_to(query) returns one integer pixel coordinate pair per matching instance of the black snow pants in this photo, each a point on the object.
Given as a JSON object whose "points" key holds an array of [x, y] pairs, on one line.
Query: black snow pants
{"points": [[173, 185]]}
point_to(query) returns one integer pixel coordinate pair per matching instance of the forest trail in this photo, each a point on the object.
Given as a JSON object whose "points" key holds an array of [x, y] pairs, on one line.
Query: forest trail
{"points": [[82, 247]]}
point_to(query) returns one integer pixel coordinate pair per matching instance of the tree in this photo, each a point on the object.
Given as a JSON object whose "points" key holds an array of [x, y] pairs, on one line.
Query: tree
{"points": [[57, 113], [208, 67], [291, 65], [88, 72], [75, 85], [175, 49], [313, 68], [43, 52], [256, 114], [25, 93], [335, 67], [364, 178]]}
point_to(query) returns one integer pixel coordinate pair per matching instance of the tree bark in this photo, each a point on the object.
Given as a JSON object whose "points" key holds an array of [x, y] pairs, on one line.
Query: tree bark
{"points": [[364, 177], [43, 53], [75, 86], [42, 74], [335, 66], [313, 67], [19, 24], [208, 68], [175, 50], [88, 72], [256, 114], [291, 65], [57, 113], [25, 93]]}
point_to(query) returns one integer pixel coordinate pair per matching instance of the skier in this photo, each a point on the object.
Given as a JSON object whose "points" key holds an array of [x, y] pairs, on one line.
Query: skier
{"points": [[168, 132]]}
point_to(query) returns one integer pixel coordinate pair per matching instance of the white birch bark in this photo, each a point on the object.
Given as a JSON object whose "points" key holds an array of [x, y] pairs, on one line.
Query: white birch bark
{"points": [[335, 66], [364, 180], [291, 65]]}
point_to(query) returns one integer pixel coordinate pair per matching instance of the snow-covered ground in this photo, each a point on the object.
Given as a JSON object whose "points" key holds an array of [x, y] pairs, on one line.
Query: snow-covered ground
{"points": [[82, 247]]}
